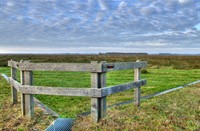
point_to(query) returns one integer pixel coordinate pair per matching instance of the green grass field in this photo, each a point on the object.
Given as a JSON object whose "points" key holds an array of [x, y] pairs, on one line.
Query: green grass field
{"points": [[178, 110], [157, 80]]}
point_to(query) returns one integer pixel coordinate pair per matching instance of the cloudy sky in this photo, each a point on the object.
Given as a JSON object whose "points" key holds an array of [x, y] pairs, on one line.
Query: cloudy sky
{"points": [[92, 26]]}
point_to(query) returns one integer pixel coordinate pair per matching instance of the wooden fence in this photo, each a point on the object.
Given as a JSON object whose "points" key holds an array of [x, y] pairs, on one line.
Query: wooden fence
{"points": [[98, 91]]}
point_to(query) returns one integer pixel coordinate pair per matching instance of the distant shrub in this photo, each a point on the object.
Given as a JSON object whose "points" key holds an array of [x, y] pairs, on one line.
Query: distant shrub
{"points": [[144, 71]]}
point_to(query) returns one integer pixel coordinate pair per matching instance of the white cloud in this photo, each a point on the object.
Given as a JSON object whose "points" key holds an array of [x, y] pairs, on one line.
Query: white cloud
{"points": [[95, 23], [10, 4], [184, 1], [122, 5], [103, 4]]}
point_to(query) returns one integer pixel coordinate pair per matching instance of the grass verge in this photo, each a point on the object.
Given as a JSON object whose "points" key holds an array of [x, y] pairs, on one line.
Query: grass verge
{"points": [[10, 115], [178, 110]]}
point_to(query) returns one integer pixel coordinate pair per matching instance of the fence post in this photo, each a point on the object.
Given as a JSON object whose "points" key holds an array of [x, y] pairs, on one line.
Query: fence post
{"points": [[137, 74], [98, 105], [27, 101], [13, 89]]}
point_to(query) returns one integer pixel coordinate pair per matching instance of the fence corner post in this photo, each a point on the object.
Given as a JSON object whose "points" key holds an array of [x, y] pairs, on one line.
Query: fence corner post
{"points": [[13, 89], [98, 105], [137, 75], [27, 100]]}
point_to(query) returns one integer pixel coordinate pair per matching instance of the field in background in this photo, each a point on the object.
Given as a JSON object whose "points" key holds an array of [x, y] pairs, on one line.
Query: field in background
{"points": [[163, 72], [176, 62]]}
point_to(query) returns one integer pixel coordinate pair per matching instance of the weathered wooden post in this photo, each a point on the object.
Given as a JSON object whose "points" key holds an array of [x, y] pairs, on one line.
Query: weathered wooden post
{"points": [[13, 89], [98, 105], [27, 101], [137, 89]]}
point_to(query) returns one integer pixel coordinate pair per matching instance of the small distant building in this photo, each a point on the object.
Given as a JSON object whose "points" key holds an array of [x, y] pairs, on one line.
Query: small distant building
{"points": [[119, 53]]}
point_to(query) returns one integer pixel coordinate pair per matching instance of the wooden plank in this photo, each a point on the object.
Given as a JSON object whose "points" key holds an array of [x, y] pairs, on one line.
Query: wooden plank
{"points": [[29, 106], [22, 77], [13, 89], [137, 90], [23, 104], [27, 99], [93, 67], [98, 105], [22, 95], [60, 91], [103, 102], [85, 67], [13, 64], [14, 83], [95, 102], [123, 87], [124, 65]]}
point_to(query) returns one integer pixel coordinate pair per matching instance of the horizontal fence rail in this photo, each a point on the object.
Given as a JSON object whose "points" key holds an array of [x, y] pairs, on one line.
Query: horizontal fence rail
{"points": [[123, 87], [98, 90], [60, 91], [85, 67], [124, 65], [69, 91]]}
